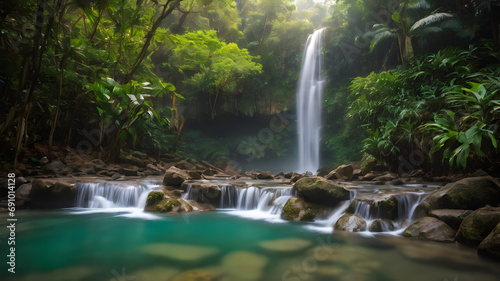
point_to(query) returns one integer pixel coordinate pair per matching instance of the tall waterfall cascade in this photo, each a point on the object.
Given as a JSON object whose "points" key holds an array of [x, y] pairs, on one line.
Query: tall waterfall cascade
{"points": [[309, 101]]}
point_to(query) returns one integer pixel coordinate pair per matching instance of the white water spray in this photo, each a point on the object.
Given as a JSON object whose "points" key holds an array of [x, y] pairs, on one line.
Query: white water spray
{"points": [[309, 96]]}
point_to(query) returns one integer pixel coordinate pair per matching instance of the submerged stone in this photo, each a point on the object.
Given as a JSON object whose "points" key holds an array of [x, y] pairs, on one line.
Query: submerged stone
{"points": [[197, 275], [244, 265], [152, 273], [180, 252], [64, 274], [285, 245]]}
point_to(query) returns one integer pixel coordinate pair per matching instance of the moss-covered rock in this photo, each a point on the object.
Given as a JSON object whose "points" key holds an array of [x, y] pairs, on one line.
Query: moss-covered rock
{"points": [[466, 194], [491, 244], [350, 223], [478, 225], [320, 191], [428, 228], [297, 209]]}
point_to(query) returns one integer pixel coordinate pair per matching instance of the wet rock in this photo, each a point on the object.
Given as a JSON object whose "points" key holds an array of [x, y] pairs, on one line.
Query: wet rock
{"points": [[417, 173], [289, 175], [386, 177], [350, 223], [116, 176], [53, 167], [323, 171], [50, 195], [297, 209], [490, 246], [23, 192], [131, 171], [320, 191], [450, 216], [185, 165], [288, 245], [295, 177], [87, 168], [154, 169], [203, 192], [478, 225], [343, 172], [133, 160], [429, 228], [175, 177], [379, 205], [201, 207], [370, 176], [195, 175], [466, 194], [379, 225], [265, 176], [180, 252]]}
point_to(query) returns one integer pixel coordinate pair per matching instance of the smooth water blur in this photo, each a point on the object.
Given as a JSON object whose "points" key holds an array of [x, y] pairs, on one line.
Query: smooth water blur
{"points": [[64, 245], [309, 103]]}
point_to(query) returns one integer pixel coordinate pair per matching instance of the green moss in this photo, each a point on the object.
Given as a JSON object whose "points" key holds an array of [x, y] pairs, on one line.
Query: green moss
{"points": [[167, 205], [154, 197]]}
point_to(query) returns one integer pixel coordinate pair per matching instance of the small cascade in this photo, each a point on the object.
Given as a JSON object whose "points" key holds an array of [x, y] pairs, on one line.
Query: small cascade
{"points": [[407, 203], [110, 195]]}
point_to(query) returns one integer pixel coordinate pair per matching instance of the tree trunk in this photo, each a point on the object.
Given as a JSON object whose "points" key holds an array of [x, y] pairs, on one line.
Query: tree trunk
{"points": [[167, 10]]}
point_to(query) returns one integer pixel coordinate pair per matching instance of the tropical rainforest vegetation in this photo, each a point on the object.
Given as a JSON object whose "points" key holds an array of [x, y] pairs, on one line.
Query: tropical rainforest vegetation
{"points": [[411, 84]]}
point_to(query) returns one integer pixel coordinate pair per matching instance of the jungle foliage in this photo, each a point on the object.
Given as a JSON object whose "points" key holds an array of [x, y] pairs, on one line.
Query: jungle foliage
{"points": [[405, 78]]}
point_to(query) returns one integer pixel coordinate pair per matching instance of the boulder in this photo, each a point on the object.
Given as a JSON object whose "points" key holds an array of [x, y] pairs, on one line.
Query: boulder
{"points": [[202, 192], [451, 217], [350, 223], [491, 244], [343, 172], [379, 205], [53, 167], [23, 192], [429, 228], [320, 191], [265, 176], [295, 177], [386, 177], [131, 171], [466, 194], [50, 195], [87, 168], [379, 225], [478, 225], [297, 209], [158, 202], [185, 165], [175, 176]]}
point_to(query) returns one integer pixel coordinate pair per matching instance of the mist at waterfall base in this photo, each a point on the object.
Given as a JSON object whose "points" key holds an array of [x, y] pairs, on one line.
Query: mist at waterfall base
{"points": [[109, 235]]}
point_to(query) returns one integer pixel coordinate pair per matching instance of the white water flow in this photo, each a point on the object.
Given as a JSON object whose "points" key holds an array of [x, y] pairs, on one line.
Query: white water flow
{"points": [[112, 197], [309, 97]]}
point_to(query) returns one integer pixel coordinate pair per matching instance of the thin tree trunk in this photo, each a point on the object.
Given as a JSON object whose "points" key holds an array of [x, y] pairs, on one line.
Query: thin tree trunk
{"points": [[263, 33], [167, 10]]}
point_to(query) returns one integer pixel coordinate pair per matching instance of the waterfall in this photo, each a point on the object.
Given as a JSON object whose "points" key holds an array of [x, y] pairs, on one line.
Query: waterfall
{"points": [[309, 97], [110, 195], [268, 199]]}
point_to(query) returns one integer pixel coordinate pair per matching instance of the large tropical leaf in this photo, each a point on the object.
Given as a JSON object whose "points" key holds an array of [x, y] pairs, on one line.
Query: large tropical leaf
{"points": [[432, 21]]}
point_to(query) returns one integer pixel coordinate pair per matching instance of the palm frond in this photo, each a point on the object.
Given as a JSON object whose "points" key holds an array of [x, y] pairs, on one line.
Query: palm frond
{"points": [[417, 4], [430, 20]]}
